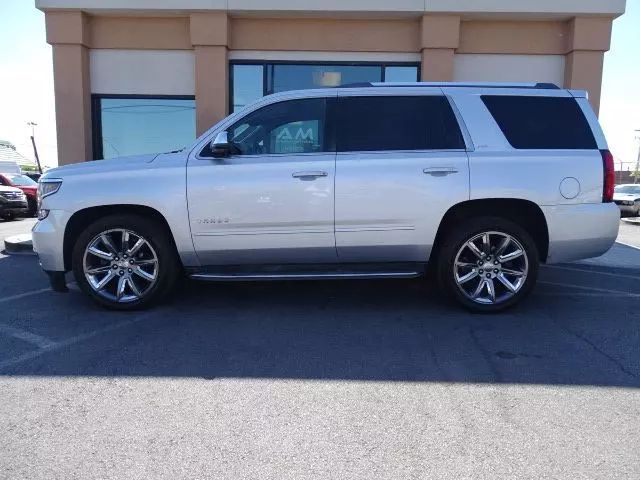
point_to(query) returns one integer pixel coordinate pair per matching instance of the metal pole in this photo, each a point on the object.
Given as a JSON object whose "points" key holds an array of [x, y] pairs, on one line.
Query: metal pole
{"points": [[33, 142], [35, 152], [637, 172]]}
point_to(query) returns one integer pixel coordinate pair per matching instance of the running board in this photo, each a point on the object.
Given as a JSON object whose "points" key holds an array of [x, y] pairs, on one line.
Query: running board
{"points": [[229, 277]]}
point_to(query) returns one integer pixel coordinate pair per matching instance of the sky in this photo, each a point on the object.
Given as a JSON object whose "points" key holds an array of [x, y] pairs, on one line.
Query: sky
{"points": [[27, 95]]}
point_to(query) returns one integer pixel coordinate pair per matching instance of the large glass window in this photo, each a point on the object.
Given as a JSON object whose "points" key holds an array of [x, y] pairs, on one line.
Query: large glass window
{"points": [[541, 122], [248, 84], [295, 77], [386, 123], [127, 125], [250, 81]]}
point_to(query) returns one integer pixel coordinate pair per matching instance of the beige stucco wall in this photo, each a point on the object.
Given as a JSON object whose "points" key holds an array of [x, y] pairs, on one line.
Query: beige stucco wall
{"points": [[210, 36]]}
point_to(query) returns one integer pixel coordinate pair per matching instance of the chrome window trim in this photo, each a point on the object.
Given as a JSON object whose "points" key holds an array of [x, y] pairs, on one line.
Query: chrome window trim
{"points": [[386, 152]]}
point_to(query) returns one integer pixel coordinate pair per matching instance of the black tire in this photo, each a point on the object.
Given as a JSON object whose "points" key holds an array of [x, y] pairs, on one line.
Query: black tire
{"points": [[33, 208], [454, 240], [9, 217], [169, 268]]}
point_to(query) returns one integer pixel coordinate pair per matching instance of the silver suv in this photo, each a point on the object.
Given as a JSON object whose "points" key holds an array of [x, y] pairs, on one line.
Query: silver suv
{"points": [[481, 182]]}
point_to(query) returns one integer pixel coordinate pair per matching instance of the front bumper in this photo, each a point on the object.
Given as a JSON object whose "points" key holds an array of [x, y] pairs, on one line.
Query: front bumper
{"points": [[48, 240], [14, 207], [581, 231], [628, 209]]}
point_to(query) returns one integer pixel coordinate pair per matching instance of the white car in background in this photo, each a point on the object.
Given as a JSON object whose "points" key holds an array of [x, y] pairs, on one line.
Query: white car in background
{"points": [[13, 203], [627, 197]]}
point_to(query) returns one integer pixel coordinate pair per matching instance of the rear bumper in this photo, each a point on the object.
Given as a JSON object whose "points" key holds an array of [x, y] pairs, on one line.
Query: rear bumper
{"points": [[48, 240], [581, 231]]}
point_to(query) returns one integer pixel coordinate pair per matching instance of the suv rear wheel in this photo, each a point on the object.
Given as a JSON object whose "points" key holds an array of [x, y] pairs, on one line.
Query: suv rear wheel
{"points": [[125, 262], [488, 264]]}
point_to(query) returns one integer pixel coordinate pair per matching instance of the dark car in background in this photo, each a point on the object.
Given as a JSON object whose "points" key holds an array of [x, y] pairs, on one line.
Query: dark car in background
{"points": [[27, 185], [13, 203], [627, 197]]}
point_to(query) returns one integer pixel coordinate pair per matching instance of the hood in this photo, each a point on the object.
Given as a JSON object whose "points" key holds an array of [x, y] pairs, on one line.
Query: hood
{"points": [[9, 189], [119, 164], [626, 196]]}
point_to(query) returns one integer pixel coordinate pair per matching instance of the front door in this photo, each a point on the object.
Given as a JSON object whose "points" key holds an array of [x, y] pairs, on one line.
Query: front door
{"points": [[401, 164], [272, 201]]}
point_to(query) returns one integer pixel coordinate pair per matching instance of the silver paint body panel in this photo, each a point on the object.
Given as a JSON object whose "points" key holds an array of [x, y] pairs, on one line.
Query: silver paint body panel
{"points": [[370, 206]]}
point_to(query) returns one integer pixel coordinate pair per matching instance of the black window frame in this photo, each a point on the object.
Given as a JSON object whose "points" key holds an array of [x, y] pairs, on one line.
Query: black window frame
{"points": [[96, 111], [268, 89]]}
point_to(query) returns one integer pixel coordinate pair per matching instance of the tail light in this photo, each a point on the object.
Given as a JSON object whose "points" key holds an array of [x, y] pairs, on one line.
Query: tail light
{"points": [[609, 178]]}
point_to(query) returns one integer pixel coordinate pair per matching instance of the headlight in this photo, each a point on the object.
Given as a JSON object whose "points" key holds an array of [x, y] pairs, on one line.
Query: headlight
{"points": [[48, 187]]}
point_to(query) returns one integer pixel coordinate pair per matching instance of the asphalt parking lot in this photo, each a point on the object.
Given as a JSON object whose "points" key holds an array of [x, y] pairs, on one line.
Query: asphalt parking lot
{"points": [[361, 379]]}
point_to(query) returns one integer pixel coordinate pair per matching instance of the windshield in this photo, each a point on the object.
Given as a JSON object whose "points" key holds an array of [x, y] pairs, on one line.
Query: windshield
{"points": [[628, 189], [20, 180]]}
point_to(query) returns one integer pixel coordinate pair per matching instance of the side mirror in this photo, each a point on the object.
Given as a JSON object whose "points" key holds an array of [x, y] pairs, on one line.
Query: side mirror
{"points": [[220, 146]]}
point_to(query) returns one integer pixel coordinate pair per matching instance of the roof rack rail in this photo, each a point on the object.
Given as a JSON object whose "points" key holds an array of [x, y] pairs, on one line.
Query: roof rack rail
{"points": [[539, 85]]}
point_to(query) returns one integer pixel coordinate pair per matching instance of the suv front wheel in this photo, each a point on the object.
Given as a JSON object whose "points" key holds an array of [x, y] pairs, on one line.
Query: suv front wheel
{"points": [[125, 262], [488, 264]]}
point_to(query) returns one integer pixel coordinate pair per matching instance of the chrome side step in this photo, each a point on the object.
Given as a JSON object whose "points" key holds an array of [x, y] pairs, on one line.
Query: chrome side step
{"points": [[231, 276]]}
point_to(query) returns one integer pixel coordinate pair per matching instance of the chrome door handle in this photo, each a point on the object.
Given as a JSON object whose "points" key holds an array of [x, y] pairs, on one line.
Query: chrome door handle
{"points": [[310, 175], [440, 171]]}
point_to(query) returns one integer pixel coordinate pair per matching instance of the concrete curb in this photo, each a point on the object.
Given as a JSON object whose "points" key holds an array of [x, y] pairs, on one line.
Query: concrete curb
{"points": [[632, 221], [19, 245]]}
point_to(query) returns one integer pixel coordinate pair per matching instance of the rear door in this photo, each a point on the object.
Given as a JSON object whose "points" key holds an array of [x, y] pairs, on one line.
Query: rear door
{"points": [[401, 164]]}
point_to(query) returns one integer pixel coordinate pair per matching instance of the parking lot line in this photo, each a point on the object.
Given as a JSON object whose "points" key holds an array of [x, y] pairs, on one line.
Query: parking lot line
{"points": [[628, 245], [595, 289], [586, 270], [37, 340], [23, 295], [72, 341], [587, 294]]}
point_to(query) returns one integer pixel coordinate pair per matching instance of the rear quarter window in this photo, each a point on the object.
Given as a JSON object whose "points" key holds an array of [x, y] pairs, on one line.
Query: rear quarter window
{"points": [[537, 123]]}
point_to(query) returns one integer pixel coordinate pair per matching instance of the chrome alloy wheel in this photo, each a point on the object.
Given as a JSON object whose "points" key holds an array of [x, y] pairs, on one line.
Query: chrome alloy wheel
{"points": [[491, 267], [120, 265]]}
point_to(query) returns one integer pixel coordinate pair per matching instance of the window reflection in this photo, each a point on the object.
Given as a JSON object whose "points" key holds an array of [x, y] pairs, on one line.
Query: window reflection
{"points": [[249, 82], [133, 126], [401, 74], [293, 77], [247, 85]]}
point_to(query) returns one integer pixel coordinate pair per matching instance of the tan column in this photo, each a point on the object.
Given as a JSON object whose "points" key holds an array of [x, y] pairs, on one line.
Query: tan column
{"points": [[210, 38], [67, 33], [583, 71], [588, 39], [440, 36], [212, 86]]}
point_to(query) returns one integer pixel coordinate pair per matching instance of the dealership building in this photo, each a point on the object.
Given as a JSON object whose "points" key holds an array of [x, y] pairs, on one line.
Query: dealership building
{"points": [[141, 76]]}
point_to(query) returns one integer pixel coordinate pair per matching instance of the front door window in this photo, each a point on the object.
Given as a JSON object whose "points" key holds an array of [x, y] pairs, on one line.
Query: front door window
{"points": [[295, 126]]}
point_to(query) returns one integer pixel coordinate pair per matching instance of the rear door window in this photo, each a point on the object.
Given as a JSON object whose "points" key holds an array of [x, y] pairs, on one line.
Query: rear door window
{"points": [[384, 123], [537, 123]]}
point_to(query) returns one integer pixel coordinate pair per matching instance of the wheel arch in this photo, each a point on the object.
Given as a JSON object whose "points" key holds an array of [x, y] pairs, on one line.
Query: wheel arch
{"points": [[83, 218], [525, 213]]}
